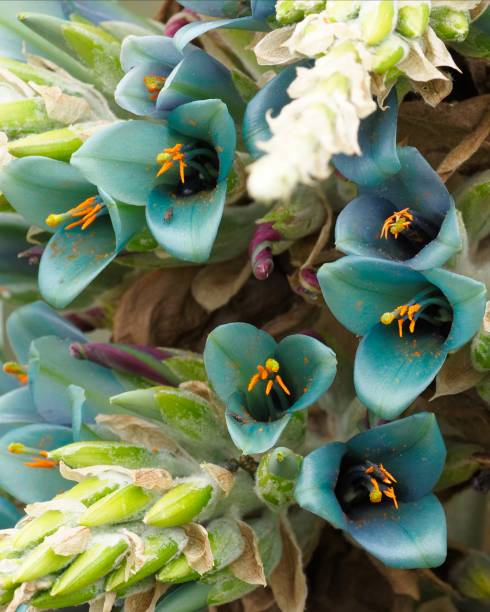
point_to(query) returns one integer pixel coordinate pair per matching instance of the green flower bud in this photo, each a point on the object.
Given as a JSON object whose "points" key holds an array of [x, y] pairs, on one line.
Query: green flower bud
{"points": [[473, 201], [100, 452], [276, 477], [117, 507], [480, 346], [24, 116], [180, 505], [58, 144], [40, 562], [449, 24], [460, 465], [287, 13], [342, 11], [159, 549], [36, 530], [46, 601], [476, 44], [472, 576], [377, 19], [386, 55], [186, 598], [413, 18], [89, 490], [28, 72], [92, 565], [177, 571]]}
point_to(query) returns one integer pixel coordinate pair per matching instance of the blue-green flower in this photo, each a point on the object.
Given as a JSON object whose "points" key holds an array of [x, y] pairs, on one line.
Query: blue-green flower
{"points": [[160, 77], [89, 227], [378, 488], [178, 170], [234, 14], [263, 382], [409, 321], [403, 211]]}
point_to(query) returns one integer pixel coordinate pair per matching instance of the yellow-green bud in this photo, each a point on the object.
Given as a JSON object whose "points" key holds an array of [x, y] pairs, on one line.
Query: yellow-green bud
{"points": [[92, 565], [413, 18], [342, 11], [87, 454], [23, 116], [46, 601], [57, 144], [449, 24], [180, 505], [377, 19], [119, 506], [177, 571], [386, 55], [36, 530], [89, 490], [6, 595], [276, 477], [40, 562], [287, 13]]}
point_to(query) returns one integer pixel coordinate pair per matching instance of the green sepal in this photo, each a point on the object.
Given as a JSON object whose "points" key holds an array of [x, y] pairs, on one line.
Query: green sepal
{"points": [[87, 454], [24, 116], [46, 601], [480, 345], [37, 529], [177, 571], [57, 144], [449, 24], [40, 562], [460, 465], [472, 576], [117, 507], [473, 201], [413, 19], [89, 490], [180, 505]]}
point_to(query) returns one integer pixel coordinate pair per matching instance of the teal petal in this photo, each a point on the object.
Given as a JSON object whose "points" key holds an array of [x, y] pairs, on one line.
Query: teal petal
{"points": [[390, 372], [193, 30], [467, 298], [412, 449], [132, 94], [315, 488], [33, 321], [231, 355], [218, 8], [414, 536], [193, 221], [161, 50], [358, 290], [27, 484], [210, 121], [52, 370], [38, 186], [308, 366], [121, 159], [17, 409], [377, 140], [73, 258], [9, 514], [79, 429], [249, 435]]}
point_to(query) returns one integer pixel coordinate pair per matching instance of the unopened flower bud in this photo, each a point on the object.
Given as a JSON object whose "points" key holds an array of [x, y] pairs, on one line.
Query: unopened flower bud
{"points": [[377, 20], [342, 11], [40, 562], [387, 54], [287, 13], [180, 505], [119, 506], [480, 346], [46, 601], [86, 454], [260, 250], [37, 529], [449, 24], [276, 477], [90, 490], [413, 18], [177, 571]]}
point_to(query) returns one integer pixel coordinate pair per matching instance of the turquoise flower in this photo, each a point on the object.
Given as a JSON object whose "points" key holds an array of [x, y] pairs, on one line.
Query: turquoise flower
{"points": [[262, 382], [403, 212], [234, 14], [89, 227], [178, 171], [409, 321], [160, 77], [377, 487]]}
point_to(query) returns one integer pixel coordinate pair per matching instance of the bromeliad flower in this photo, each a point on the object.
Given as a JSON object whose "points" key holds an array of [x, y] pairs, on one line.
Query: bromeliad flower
{"points": [[409, 321], [234, 14], [263, 383], [403, 211], [377, 487], [178, 170], [160, 77], [89, 227]]}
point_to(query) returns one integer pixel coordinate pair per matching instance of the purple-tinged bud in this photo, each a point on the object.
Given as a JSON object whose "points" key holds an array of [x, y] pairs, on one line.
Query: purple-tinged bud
{"points": [[260, 250], [179, 20], [309, 281], [144, 361], [88, 320], [32, 254]]}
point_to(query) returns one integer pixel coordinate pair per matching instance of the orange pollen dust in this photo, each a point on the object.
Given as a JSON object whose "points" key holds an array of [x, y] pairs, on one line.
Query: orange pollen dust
{"points": [[377, 492], [154, 84], [402, 314], [268, 372], [396, 223], [170, 156]]}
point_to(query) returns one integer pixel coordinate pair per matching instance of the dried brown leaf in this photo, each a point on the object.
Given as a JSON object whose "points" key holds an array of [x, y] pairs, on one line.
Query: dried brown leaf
{"points": [[198, 550], [403, 582], [147, 601], [136, 553], [249, 567], [215, 284], [137, 431], [288, 581], [69, 540], [223, 477], [457, 374], [104, 603]]}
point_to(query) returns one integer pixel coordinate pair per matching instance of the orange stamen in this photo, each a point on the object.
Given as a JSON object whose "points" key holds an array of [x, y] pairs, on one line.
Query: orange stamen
{"points": [[268, 388], [269, 371], [401, 314], [46, 464], [154, 84], [396, 223], [17, 370], [170, 156], [280, 382]]}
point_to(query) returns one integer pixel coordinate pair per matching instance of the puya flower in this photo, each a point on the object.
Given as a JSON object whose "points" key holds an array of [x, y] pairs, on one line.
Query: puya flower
{"points": [[377, 487], [263, 383], [239, 15], [159, 77], [403, 211], [409, 321], [89, 227], [178, 171]]}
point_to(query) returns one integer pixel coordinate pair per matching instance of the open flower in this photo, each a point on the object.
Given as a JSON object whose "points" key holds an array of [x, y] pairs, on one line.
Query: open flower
{"points": [[89, 227], [409, 321], [377, 487], [237, 14], [178, 171], [403, 212], [262, 382], [160, 77]]}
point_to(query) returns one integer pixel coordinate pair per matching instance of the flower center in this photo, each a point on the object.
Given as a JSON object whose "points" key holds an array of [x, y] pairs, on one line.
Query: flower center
{"points": [[18, 370], [268, 372], [379, 482], [154, 83], [84, 214], [417, 308], [198, 165], [169, 157], [364, 481], [40, 459], [396, 223]]}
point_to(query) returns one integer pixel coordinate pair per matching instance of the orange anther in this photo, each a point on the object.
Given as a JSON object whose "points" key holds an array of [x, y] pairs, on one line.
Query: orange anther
{"points": [[268, 388], [396, 223]]}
